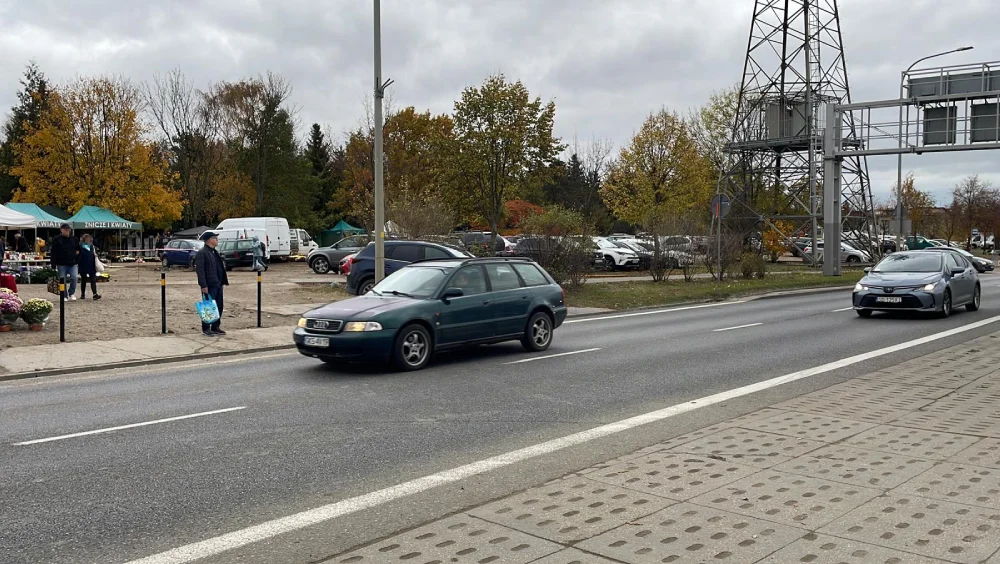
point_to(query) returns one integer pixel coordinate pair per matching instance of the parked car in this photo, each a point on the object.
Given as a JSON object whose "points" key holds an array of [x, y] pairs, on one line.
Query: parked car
{"points": [[848, 254], [501, 247], [435, 305], [324, 259], [936, 281], [614, 256], [398, 254], [916, 243], [237, 252], [345, 263], [675, 259], [180, 252], [980, 264]]}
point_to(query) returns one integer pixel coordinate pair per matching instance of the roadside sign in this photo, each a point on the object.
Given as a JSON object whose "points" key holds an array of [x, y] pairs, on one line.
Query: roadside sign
{"points": [[720, 206]]}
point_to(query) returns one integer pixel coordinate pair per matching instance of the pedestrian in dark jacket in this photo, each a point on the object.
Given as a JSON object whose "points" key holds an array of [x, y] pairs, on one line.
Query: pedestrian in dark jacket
{"points": [[3, 249], [88, 267], [211, 277], [20, 244], [64, 252]]}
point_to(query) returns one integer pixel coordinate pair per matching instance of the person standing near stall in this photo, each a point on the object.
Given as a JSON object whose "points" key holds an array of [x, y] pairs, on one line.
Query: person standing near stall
{"points": [[211, 278], [64, 253], [88, 266]]}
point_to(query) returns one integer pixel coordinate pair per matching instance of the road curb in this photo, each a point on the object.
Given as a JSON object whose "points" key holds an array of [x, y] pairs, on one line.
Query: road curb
{"points": [[137, 363]]}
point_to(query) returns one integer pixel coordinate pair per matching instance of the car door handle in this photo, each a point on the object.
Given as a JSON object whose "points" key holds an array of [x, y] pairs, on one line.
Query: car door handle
{"points": [[486, 302]]}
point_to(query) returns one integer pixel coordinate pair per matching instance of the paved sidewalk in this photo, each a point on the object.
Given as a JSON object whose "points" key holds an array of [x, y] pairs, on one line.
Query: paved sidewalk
{"points": [[900, 466]]}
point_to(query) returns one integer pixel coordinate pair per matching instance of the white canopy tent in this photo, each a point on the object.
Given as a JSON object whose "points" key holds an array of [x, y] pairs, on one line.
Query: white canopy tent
{"points": [[10, 219]]}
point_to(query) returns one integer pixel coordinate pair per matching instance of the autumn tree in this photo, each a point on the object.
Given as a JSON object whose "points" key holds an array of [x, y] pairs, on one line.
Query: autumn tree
{"points": [[189, 121], [711, 126], [917, 204], [32, 101], [91, 147], [972, 197], [504, 143]]}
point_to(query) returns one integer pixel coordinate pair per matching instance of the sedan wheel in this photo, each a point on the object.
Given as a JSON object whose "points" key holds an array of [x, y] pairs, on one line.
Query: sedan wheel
{"points": [[609, 264], [413, 348], [320, 265], [538, 334], [864, 312], [853, 259], [946, 304], [976, 300]]}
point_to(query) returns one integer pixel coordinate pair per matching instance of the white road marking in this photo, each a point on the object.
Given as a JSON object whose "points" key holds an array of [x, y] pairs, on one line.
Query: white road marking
{"points": [[130, 426], [653, 312], [273, 528], [842, 309], [747, 326], [533, 359]]}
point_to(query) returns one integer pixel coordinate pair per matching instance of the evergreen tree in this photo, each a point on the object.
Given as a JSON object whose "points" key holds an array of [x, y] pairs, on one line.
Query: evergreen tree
{"points": [[318, 150], [32, 100]]}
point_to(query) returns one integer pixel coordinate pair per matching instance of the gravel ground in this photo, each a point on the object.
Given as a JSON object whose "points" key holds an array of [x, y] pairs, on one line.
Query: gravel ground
{"points": [[130, 304]]}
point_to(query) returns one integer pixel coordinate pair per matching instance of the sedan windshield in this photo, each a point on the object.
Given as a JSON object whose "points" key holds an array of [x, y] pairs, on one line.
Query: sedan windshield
{"points": [[413, 282], [910, 262]]}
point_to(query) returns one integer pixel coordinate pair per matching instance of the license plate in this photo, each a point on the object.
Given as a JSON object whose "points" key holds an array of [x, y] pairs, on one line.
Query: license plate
{"points": [[317, 341], [889, 300]]}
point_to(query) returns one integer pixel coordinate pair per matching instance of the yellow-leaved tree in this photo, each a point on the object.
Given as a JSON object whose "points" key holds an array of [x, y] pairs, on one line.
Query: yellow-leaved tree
{"points": [[91, 148]]}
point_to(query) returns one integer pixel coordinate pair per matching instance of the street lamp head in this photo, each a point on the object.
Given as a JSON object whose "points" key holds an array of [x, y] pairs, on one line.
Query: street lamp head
{"points": [[968, 48]]}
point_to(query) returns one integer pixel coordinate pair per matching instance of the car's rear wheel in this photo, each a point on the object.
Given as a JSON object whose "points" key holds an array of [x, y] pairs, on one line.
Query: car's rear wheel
{"points": [[866, 313], [945, 304], [320, 265], [853, 259], [538, 333], [976, 300], [366, 287], [412, 349]]}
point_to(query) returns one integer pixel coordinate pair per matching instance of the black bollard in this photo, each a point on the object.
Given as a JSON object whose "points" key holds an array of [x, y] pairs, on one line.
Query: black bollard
{"points": [[258, 298], [163, 303], [62, 310]]}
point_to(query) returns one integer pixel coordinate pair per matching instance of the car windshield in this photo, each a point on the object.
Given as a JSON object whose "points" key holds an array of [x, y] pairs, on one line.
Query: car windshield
{"points": [[910, 262], [414, 282], [629, 245]]}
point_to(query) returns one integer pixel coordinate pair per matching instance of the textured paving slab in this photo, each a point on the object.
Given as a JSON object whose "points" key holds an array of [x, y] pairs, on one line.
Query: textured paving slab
{"points": [[973, 485], [746, 446], [459, 540], [824, 549], [966, 422], [573, 556], [921, 443], [858, 466], [789, 499], [690, 533], [938, 529], [570, 510], [874, 401], [984, 453], [672, 475], [952, 368], [810, 427], [979, 403]]}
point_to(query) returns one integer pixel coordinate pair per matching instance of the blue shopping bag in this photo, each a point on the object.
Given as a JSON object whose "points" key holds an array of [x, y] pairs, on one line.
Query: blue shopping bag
{"points": [[208, 310]]}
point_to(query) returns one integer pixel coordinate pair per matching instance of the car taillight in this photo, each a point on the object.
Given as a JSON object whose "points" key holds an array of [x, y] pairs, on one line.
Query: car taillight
{"points": [[347, 265]]}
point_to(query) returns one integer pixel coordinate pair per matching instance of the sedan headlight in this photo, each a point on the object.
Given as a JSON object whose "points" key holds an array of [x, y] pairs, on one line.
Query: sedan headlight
{"points": [[859, 287], [362, 326], [302, 323], [929, 287]]}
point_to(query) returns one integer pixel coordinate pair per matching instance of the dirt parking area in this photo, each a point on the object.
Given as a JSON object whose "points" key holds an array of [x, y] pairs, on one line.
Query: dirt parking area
{"points": [[130, 303]]}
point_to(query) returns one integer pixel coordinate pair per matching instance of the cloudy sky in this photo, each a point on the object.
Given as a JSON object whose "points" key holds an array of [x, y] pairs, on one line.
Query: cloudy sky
{"points": [[606, 63]]}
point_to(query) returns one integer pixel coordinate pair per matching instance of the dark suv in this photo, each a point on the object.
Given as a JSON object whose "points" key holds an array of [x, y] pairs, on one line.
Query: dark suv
{"points": [[397, 255], [237, 252]]}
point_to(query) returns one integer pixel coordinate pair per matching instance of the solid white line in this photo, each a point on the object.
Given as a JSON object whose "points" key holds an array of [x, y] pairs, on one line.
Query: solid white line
{"points": [[653, 312], [842, 309], [551, 356], [270, 529], [737, 327], [130, 426]]}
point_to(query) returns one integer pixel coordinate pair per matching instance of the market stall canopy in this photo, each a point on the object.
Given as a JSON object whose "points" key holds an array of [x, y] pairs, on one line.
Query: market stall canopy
{"points": [[11, 219], [93, 217], [192, 233], [338, 232], [43, 219]]}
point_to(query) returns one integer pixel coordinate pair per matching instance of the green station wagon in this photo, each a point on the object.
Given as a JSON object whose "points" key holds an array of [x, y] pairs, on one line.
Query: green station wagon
{"points": [[437, 305]]}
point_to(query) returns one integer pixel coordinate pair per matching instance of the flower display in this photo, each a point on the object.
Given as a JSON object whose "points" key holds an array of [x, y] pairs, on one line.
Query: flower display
{"points": [[36, 310], [10, 307]]}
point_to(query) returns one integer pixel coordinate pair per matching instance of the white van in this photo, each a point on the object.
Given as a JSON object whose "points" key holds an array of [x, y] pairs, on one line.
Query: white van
{"points": [[276, 235], [302, 242]]}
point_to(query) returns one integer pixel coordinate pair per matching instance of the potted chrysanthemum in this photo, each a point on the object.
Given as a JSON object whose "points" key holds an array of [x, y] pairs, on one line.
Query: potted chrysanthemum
{"points": [[35, 312], [10, 309]]}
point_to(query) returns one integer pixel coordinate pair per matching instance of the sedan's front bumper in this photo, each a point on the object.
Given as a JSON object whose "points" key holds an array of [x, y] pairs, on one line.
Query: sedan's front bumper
{"points": [[909, 300], [374, 346]]}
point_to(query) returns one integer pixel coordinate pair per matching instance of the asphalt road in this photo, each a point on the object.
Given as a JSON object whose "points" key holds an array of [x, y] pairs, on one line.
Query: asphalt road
{"points": [[308, 435]]}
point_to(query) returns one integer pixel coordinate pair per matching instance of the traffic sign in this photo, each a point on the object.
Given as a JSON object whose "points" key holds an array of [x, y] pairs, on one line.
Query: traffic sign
{"points": [[721, 206]]}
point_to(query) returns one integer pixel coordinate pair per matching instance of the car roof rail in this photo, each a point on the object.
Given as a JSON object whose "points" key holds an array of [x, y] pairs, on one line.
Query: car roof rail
{"points": [[498, 259]]}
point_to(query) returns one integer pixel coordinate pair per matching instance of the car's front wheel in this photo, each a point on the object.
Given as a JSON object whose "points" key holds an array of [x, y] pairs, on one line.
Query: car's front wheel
{"points": [[366, 287], [609, 264], [412, 349], [866, 313], [538, 334], [945, 304], [320, 265], [977, 298], [853, 259]]}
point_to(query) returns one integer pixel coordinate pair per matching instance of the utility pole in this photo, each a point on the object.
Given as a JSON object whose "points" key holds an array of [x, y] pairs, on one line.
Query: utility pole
{"points": [[379, 161]]}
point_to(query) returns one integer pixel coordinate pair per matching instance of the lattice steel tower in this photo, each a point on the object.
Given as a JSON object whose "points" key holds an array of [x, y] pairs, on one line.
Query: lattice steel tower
{"points": [[794, 67]]}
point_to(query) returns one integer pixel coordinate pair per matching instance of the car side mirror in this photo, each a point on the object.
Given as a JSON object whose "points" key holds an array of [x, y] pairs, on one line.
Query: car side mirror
{"points": [[957, 271], [452, 293], [868, 271]]}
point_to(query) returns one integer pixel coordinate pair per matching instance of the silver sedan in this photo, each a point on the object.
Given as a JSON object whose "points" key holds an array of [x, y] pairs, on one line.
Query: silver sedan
{"points": [[934, 281]]}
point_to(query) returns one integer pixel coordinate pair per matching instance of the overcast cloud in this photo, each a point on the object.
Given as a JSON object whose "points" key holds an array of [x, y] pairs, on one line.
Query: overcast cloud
{"points": [[606, 63]]}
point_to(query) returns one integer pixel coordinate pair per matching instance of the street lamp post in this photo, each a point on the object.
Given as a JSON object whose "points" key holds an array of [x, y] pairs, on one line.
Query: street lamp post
{"points": [[899, 163], [378, 161]]}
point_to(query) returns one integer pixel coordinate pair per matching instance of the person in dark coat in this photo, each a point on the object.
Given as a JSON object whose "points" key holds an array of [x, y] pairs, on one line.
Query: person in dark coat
{"points": [[88, 266], [3, 249], [20, 244], [211, 277], [64, 252]]}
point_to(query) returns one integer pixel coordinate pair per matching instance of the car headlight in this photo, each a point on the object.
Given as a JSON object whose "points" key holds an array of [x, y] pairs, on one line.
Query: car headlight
{"points": [[302, 323], [362, 326], [859, 287], [929, 287]]}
